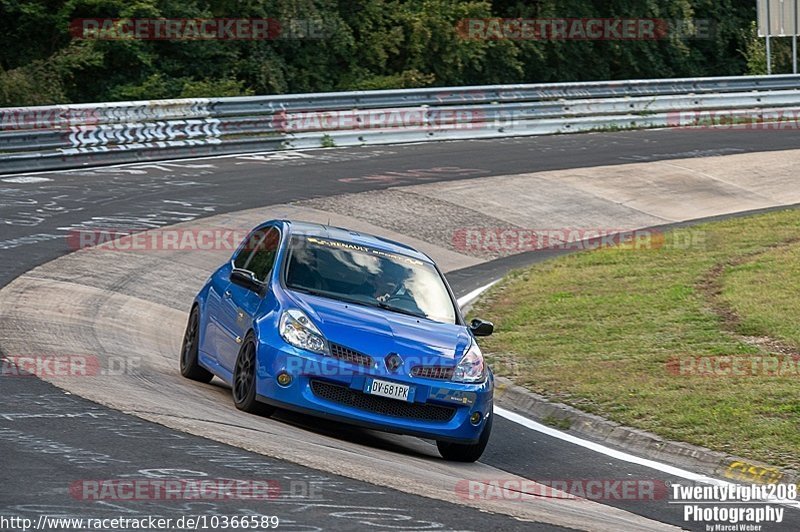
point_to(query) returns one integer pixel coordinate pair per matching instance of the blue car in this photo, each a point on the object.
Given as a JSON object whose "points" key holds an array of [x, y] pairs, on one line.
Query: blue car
{"points": [[346, 326]]}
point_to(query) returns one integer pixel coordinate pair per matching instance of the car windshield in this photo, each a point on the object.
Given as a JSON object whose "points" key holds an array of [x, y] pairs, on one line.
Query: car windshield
{"points": [[368, 276]]}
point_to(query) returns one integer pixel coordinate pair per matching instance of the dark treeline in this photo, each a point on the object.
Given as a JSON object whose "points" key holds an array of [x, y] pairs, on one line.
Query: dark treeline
{"points": [[354, 44]]}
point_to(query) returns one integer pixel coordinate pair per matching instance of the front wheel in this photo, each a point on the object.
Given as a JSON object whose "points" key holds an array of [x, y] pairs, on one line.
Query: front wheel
{"points": [[466, 452], [244, 381], [190, 368]]}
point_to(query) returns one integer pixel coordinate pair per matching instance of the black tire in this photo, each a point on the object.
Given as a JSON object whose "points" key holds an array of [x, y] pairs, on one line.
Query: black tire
{"points": [[189, 350], [244, 380], [469, 452]]}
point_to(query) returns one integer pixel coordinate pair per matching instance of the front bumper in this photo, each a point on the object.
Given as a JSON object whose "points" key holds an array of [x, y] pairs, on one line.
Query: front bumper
{"points": [[327, 387]]}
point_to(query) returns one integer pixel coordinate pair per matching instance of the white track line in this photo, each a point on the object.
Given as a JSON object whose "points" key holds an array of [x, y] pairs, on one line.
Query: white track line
{"points": [[463, 301], [599, 448]]}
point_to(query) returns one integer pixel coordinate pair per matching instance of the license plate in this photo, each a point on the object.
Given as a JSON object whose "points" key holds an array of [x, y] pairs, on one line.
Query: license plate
{"points": [[388, 389]]}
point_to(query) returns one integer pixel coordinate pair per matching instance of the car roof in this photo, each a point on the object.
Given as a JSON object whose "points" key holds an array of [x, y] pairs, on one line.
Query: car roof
{"points": [[355, 237]]}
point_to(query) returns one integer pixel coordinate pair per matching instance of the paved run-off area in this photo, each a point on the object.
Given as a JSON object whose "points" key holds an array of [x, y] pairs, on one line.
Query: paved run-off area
{"points": [[607, 198]]}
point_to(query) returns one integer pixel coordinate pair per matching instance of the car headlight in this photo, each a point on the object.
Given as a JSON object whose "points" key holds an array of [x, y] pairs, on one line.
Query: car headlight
{"points": [[471, 367], [298, 330]]}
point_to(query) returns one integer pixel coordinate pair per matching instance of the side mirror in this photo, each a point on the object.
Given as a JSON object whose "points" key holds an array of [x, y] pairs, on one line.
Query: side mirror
{"points": [[247, 280], [481, 328]]}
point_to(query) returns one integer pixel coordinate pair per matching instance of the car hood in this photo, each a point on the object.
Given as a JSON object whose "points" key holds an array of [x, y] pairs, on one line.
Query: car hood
{"points": [[378, 332]]}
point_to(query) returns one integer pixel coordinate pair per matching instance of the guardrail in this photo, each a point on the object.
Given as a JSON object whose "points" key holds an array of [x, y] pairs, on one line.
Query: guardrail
{"points": [[71, 136]]}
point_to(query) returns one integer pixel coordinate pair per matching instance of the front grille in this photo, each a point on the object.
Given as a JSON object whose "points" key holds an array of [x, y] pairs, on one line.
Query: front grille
{"points": [[433, 372], [381, 405], [348, 355]]}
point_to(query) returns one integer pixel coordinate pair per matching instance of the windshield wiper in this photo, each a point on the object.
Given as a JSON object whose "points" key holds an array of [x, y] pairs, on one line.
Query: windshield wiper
{"points": [[368, 303], [332, 295], [386, 306]]}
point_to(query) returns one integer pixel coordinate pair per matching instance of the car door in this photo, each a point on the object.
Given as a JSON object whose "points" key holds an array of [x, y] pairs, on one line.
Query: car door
{"points": [[241, 304], [213, 308], [217, 334]]}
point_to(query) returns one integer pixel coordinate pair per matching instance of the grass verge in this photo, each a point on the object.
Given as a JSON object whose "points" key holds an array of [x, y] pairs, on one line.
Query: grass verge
{"points": [[644, 336]]}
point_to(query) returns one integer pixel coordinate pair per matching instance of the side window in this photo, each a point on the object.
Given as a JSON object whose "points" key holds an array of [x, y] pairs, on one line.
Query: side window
{"points": [[240, 261], [241, 258], [263, 256]]}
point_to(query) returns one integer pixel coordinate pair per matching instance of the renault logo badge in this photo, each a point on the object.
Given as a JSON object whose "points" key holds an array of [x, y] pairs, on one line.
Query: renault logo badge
{"points": [[393, 361]]}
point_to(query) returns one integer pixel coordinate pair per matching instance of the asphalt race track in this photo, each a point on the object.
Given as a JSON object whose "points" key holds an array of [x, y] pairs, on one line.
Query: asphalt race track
{"points": [[51, 440]]}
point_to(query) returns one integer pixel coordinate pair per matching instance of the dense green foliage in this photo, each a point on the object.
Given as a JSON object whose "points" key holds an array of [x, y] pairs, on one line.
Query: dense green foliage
{"points": [[367, 44]]}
